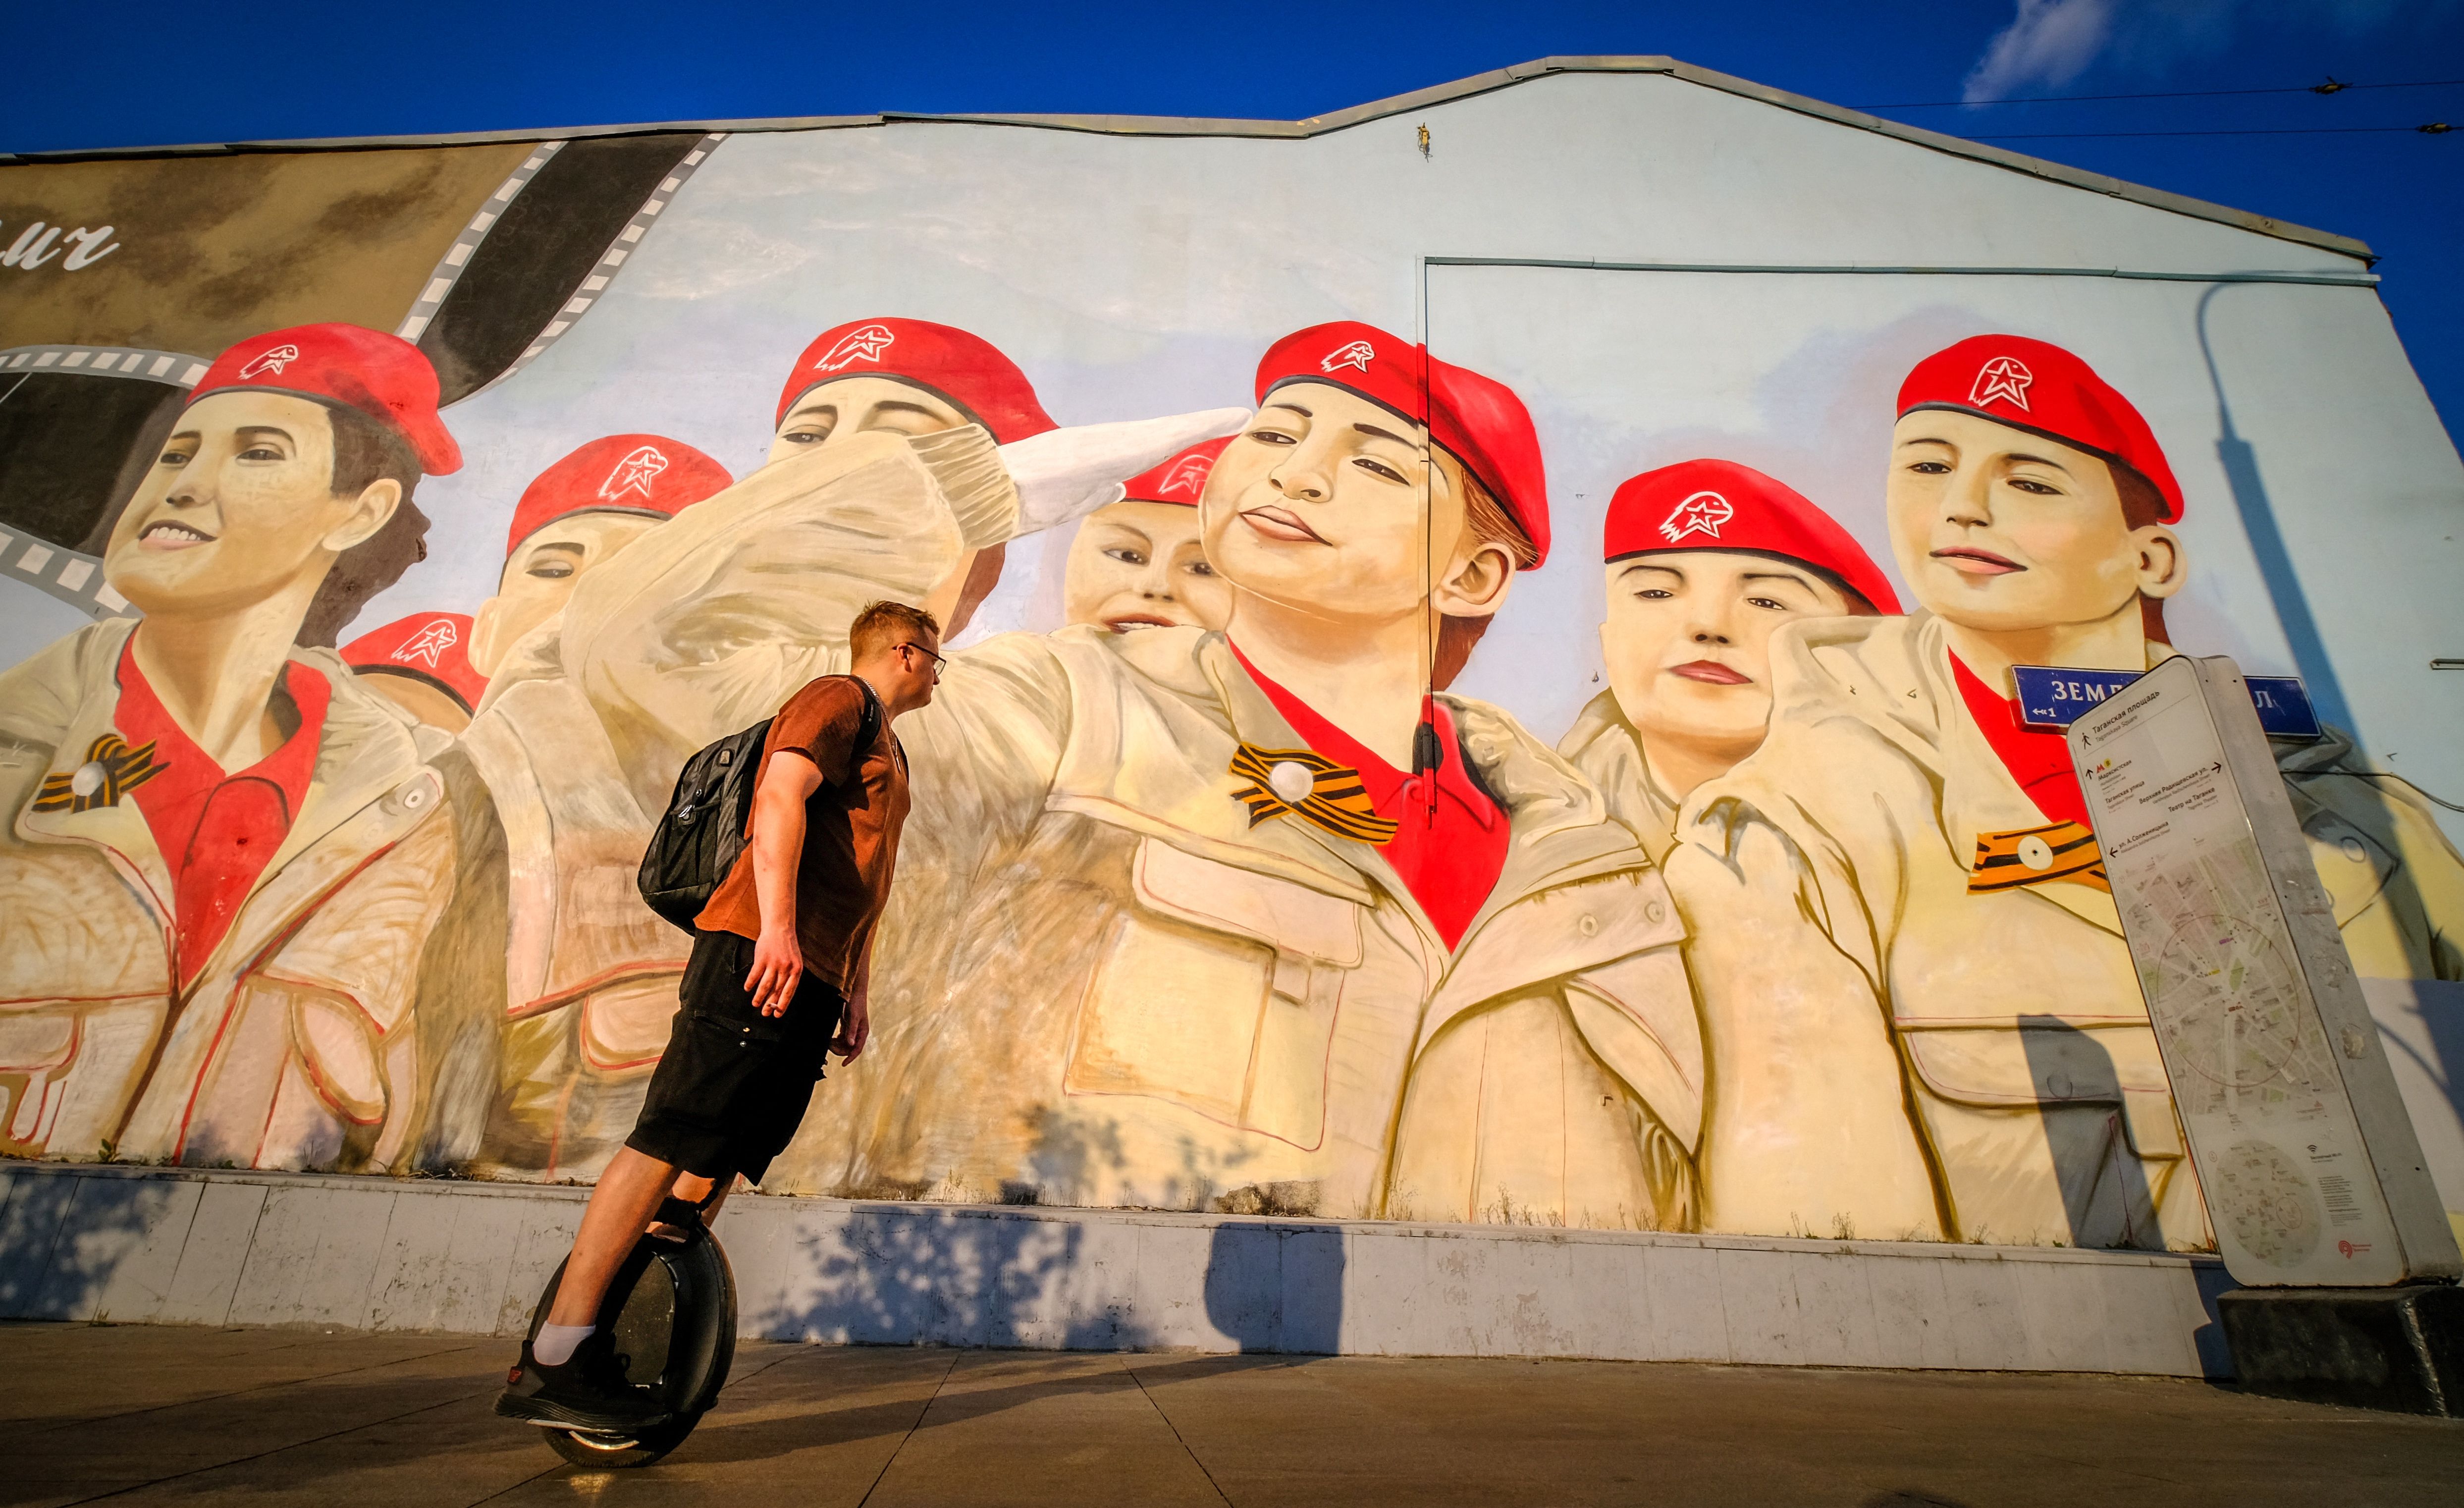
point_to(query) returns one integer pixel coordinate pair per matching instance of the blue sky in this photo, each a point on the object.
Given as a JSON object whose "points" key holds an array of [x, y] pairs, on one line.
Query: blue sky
{"points": [[124, 74]]}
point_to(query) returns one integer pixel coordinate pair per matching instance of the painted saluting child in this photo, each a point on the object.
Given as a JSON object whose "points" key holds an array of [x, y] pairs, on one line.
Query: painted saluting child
{"points": [[1189, 917]]}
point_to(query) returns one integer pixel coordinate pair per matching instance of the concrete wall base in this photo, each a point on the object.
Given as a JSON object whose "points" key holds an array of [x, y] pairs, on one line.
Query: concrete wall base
{"points": [[2399, 1349], [186, 1246]]}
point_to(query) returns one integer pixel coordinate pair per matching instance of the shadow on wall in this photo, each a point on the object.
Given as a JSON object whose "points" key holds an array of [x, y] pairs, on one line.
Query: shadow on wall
{"points": [[916, 1275], [1277, 1287], [65, 1243], [2267, 545], [2106, 1196]]}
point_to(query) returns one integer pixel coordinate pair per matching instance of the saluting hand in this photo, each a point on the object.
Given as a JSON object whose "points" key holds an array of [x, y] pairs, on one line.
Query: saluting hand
{"points": [[778, 967]]}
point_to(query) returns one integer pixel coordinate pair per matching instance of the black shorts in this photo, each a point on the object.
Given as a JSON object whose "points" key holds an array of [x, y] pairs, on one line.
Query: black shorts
{"points": [[734, 1084]]}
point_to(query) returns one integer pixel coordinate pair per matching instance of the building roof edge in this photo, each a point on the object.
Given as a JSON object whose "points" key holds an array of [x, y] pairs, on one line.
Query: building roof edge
{"points": [[1323, 124]]}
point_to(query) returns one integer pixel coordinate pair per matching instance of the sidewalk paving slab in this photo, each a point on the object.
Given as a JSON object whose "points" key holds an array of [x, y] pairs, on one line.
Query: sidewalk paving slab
{"points": [[293, 1416]]}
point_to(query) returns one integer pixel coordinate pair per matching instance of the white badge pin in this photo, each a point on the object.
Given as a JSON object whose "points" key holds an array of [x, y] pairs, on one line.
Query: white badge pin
{"points": [[1291, 781]]}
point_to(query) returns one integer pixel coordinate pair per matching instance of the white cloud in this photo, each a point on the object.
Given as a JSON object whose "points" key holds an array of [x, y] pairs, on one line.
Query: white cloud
{"points": [[2051, 42], [2048, 43]]}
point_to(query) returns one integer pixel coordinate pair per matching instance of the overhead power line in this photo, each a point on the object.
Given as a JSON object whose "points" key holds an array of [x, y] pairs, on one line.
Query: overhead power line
{"points": [[2433, 128], [2331, 86]]}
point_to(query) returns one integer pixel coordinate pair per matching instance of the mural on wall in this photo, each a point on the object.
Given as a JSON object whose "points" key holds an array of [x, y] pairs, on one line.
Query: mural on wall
{"points": [[1220, 891]]}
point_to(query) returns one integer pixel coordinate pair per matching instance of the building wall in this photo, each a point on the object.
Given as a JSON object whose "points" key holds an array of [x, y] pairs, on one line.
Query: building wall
{"points": [[1771, 1008]]}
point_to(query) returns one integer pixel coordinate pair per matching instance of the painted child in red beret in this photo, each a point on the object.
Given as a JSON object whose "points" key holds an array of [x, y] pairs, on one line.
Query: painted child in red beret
{"points": [[1706, 561], [1138, 563], [422, 664], [1220, 919], [899, 376], [229, 848], [1918, 1033], [576, 515]]}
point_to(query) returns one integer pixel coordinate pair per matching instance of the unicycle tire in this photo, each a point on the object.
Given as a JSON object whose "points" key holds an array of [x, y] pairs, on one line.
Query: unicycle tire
{"points": [[673, 1308], [603, 1452]]}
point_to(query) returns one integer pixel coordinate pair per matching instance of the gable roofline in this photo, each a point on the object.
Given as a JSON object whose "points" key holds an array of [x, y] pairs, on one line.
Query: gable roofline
{"points": [[1325, 124]]}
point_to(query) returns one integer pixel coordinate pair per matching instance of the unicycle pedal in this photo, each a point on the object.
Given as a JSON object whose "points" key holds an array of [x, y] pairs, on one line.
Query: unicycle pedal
{"points": [[671, 1313]]}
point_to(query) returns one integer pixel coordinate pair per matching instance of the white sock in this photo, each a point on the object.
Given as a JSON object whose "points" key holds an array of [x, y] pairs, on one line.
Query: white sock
{"points": [[556, 1344]]}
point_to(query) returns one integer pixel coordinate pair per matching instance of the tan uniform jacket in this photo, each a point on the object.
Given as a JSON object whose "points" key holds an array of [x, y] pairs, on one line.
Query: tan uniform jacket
{"points": [[2398, 889], [2396, 881], [1096, 980], [1826, 878], [295, 1044], [1608, 750], [587, 973]]}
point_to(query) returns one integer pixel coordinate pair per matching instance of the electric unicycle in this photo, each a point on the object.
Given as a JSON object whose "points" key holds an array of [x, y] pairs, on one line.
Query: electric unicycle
{"points": [[672, 1309]]}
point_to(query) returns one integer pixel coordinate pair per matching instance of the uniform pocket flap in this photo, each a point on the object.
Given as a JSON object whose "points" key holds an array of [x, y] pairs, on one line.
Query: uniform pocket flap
{"points": [[1638, 1017], [1290, 918], [2050, 1065]]}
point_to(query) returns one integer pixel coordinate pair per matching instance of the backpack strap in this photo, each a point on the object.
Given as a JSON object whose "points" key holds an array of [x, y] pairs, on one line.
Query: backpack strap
{"points": [[869, 728]]}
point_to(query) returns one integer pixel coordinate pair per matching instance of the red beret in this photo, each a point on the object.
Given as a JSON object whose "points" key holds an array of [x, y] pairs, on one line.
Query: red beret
{"points": [[1721, 505], [432, 647], [1479, 422], [1179, 479], [347, 367], [641, 474], [962, 369], [2037, 386]]}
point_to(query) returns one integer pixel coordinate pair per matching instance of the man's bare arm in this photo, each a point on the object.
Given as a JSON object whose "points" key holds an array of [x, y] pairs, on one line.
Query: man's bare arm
{"points": [[778, 845]]}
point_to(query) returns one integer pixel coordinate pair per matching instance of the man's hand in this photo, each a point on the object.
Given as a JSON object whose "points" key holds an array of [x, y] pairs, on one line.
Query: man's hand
{"points": [[778, 967], [777, 842], [855, 1024]]}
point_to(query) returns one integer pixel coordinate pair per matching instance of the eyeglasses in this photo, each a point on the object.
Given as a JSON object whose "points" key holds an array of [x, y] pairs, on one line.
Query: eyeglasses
{"points": [[939, 665]]}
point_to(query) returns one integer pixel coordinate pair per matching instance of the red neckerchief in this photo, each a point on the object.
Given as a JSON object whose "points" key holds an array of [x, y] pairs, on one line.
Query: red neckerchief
{"points": [[217, 831], [2038, 760], [1449, 855]]}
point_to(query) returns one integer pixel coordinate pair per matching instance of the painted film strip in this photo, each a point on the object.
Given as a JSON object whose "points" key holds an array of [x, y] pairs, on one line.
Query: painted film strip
{"points": [[176, 367], [449, 269], [55, 570], [618, 250], [61, 572]]}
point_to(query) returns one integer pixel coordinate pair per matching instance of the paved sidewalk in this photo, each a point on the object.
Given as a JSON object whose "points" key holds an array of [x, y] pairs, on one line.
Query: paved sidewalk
{"points": [[142, 1413]]}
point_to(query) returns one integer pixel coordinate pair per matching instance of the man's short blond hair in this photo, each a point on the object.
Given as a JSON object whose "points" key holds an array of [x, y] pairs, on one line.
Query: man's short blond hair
{"points": [[884, 626]]}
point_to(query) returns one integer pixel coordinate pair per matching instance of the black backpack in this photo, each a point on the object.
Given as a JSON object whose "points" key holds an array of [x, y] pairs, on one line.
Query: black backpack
{"points": [[702, 834]]}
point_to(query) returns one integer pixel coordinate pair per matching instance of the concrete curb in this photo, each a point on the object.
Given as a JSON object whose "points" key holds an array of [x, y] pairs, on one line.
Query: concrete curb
{"points": [[186, 1246]]}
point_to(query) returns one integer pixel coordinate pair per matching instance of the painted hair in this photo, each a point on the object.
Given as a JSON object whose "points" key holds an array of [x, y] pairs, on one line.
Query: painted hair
{"points": [[1488, 523], [365, 454]]}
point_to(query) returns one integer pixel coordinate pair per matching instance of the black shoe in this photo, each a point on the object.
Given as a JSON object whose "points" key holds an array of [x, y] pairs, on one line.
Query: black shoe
{"points": [[590, 1391]]}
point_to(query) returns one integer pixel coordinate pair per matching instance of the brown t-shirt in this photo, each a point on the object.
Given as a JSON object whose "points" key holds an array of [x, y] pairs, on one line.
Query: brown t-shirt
{"points": [[851, 831]]}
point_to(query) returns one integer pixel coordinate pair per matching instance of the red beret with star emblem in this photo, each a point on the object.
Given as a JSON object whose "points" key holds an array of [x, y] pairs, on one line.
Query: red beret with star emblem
{"points": [[1179, 479], [344, 366], [2037, 386], [432, 647], [1478, 420], [961, 370], [648, 474], [1722, 505]]}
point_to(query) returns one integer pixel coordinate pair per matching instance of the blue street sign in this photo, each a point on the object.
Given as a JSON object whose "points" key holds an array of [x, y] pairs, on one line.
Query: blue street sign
{"points": [[2051, 696], [2284, 708]]}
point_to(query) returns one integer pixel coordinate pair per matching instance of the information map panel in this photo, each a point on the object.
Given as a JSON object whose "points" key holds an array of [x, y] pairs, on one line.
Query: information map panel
{"points": [[2266, 1081]]}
